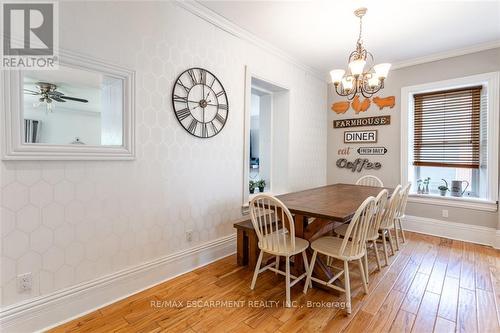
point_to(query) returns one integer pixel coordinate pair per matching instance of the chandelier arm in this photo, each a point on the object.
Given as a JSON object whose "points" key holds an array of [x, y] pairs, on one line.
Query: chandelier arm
{"points": [[341, 92]]}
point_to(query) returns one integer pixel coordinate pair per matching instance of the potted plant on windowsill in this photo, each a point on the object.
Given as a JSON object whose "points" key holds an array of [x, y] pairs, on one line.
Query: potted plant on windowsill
{"points": [[251, 186], [443, 188], [261, 184]]}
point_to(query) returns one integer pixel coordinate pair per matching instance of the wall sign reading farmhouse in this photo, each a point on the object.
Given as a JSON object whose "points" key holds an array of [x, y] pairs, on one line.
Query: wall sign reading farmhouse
{"points": [[360, 136], [372, 150], [358, 122]]}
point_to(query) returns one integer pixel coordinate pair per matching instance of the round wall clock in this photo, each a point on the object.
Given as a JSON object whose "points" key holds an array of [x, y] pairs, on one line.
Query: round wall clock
{"points": [[200, 102]]}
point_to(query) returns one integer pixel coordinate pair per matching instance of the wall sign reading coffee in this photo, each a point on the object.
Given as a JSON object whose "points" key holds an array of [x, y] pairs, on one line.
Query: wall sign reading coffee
{"points": [[367, 121], [372, 150], [360, 136], [358, 164]]}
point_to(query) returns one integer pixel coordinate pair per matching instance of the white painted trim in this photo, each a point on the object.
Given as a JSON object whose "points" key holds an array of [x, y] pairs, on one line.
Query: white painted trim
{"points": [[54, 309], [452, 230], [496, 245], [492, 81], [14, 148], [468, 203], [446, 55], [249, 74], [226, 25]]}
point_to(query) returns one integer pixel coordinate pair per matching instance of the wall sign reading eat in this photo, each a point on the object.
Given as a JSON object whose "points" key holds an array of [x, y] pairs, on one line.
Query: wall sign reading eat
{"points": [[360, 136], [358, 165]]}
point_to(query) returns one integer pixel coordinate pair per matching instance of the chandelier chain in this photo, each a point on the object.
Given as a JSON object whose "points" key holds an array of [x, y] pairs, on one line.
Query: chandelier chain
{"points": [[360, 29]]}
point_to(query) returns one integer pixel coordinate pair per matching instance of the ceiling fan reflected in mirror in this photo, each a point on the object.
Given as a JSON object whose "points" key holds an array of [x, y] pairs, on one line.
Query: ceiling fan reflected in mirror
{"points": [[48, 93]]}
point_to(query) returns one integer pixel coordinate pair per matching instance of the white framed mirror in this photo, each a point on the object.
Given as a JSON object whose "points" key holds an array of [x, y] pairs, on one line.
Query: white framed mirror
{"points": [[84, 110]]}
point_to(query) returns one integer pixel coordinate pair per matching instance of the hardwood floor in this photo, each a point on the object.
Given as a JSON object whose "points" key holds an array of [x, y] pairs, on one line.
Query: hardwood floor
{"points": [[432, 284]]}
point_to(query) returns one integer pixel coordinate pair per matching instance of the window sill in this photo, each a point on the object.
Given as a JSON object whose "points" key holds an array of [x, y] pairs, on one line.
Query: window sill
{"points": [[458, 202]]}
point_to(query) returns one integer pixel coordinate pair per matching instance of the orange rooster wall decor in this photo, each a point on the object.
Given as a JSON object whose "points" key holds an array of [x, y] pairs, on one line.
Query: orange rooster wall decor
{"points": [[340, 107], [384, 102], [358, 106]]}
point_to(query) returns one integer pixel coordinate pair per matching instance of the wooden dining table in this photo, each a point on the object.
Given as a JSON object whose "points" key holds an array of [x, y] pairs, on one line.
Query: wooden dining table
{"points": [[319, 210]]}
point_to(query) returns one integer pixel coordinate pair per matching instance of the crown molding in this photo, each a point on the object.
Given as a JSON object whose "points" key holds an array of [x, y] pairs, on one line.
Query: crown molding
{"points": [[447, 54], [224, 24]]}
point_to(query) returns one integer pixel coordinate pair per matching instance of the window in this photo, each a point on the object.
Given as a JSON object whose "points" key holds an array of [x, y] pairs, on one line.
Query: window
{"points": [[450, 133]]}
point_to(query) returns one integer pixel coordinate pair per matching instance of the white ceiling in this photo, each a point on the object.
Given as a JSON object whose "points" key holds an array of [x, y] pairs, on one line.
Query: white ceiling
{"points": [[322, 33]]}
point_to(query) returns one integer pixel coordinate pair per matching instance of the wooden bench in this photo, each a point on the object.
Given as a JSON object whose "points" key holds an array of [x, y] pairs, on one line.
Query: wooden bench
{"points": [[246, 243]]}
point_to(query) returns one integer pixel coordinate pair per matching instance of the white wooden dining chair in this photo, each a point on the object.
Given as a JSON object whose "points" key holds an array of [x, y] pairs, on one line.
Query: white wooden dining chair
{"points": [[273, 224], [400, 214], [387, 223], [351, 248], [370, 180], [371, 239]]}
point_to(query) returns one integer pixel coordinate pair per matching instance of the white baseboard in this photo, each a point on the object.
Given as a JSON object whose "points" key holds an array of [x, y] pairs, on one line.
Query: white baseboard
{"points": [[51, 310], [459, 231]]}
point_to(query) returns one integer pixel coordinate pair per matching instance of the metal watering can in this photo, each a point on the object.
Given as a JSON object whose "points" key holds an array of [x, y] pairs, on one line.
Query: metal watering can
{"points": [[456, 188]]}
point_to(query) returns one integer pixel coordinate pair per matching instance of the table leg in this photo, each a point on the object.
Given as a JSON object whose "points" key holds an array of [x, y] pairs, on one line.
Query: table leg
{"points": [[242, 248], [299, 224], [253, 249]]}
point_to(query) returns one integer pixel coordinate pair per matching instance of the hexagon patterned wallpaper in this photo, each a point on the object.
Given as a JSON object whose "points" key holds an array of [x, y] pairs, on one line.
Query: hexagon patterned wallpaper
{"points": [[70, 222]]}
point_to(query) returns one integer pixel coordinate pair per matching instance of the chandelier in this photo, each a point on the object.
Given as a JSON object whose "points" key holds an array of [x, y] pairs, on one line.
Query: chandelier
{"points": [[357, 80]]}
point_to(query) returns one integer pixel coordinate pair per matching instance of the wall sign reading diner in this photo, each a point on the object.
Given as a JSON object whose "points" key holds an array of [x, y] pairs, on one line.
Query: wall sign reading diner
{"points": [[357, 122], [369, 136]]}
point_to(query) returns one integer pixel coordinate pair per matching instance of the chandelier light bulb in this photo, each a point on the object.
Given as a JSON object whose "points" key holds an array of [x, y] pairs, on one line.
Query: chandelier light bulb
{"points": [[356, 67], [347, 83], [373, 82], [382, 70], [337, 75]]}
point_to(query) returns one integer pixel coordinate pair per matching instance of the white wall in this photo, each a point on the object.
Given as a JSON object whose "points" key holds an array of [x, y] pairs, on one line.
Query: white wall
{"points": [[62, 125], [69, 222], [389, 136]]}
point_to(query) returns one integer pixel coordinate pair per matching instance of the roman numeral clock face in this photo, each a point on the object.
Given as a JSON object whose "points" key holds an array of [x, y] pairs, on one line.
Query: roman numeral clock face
{"points": [[200, 103]]}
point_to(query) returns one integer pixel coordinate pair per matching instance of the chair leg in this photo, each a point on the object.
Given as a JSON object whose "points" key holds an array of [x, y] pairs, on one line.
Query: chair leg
{"points": [[257, 268], [402, 231], [306, 265], [363, 276], [277, 264], [384, 242], [376, 255], [366, 265], [396, 232], [347, 287], [309, 272], [287, 264], [391, 242]]}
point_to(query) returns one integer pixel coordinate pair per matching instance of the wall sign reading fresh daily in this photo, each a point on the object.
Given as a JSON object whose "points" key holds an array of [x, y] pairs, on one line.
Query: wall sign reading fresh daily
{"points": [[372, 150], [369, 136], [358, 122], [358, 164]]}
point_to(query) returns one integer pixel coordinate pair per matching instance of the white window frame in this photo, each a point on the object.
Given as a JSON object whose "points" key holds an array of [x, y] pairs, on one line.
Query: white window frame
{"points": [[491, 81]]}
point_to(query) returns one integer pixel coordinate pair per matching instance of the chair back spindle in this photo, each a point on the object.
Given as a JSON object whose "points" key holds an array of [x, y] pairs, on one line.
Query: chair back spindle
{"points": [[358, 229], [370, 180], [379, 210], [269, 218], [404, 200], [392, 209]]}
